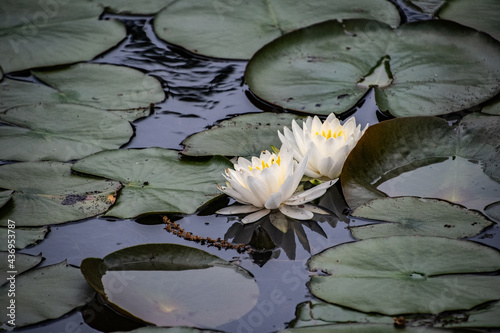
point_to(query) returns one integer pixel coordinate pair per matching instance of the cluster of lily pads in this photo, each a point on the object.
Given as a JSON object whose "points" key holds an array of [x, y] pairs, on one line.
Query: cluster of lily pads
{"points": [[421, 183]]}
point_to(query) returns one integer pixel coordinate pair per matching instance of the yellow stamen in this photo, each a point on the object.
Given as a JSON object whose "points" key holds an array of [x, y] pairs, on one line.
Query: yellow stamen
{"points": [[266, 165], [329, 134]]}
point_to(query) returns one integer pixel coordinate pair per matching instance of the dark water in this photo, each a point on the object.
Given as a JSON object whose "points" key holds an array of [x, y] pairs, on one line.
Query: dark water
{"points": [[200, 92]]}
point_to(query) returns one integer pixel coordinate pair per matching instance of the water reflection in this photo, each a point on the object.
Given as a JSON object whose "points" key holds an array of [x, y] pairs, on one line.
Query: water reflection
{"points": [[455, 179]]}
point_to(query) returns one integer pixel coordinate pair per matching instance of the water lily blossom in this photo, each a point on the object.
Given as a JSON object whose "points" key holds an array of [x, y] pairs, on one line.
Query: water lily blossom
{"points": [[328, 143], [269, 182]]}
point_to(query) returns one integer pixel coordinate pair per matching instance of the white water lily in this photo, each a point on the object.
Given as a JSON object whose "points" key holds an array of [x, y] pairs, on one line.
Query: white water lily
{"points": [[328, 143], [268, 182]]}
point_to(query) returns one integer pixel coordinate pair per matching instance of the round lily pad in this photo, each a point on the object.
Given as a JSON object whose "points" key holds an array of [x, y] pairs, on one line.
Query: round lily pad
{"points": [[172, 285], [422, 68], [48, 193], [416, 216], [424, 156], [155, 180], [406, 274], [46, 293], [245, 135], [481, 15], [47, 33], [118, 89], [59, 132], [493, 107], [229, 29]]}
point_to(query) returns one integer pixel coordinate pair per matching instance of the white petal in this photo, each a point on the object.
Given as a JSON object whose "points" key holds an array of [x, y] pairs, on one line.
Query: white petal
{"points": [[274, 201], [258, 189], [255, 216], [296, 213], [236, 209], [316, 125], [235, 195], [310, 194], [247, 195]]}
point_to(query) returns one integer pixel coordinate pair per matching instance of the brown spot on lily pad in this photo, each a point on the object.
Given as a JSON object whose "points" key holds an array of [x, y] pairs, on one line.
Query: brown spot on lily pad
{"points": [[72, 199]]}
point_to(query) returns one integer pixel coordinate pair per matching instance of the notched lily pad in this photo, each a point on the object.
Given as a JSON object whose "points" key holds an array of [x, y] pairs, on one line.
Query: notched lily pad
{"points": [[46, 293], [424, 156], [47, 33], [44, 193], [155, 180], [418, 217], [245, 135], [226, 29], [406, 274], [36, 132], [172, 285], [422, 68]]}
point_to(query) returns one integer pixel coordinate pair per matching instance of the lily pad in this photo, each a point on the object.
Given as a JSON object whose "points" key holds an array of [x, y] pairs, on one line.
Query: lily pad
{"points": [[172, 285], [48, 193], [22, 263], [118, 89], [493, 107], [48, 33], [228, 29], [245, 135], [23, 236], [37, 133], [155, 180], [45, 293], [416, 216], [422, 68], [5, 197], [481, 15], [315, 313], [485, 317], [426, 157], [406, 274], [366, 328], [132, 6]]}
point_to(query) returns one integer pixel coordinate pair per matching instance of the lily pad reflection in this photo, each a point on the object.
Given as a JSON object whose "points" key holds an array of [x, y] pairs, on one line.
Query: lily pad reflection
{"points": [[172, 285]]}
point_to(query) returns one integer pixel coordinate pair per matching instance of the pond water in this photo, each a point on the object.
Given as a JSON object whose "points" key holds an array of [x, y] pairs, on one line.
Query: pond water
{"points": [[201, 92]]}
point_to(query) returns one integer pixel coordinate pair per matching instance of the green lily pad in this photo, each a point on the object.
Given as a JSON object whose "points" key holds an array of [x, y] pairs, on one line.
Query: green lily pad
{"points": [[132, 6], [37, 133], [172, 285], [155, 180], [406, 274], [45, 293], [23, 236], [368, 328], [48, 33], [121, 90], [236, 30], [426, 157], [22, 263], [481, 15], [419, 217], [245, 135], [316, 313], [5, 197], [493, 211], [493, 107], [422, 68], [48, 193], [485, 317]]}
